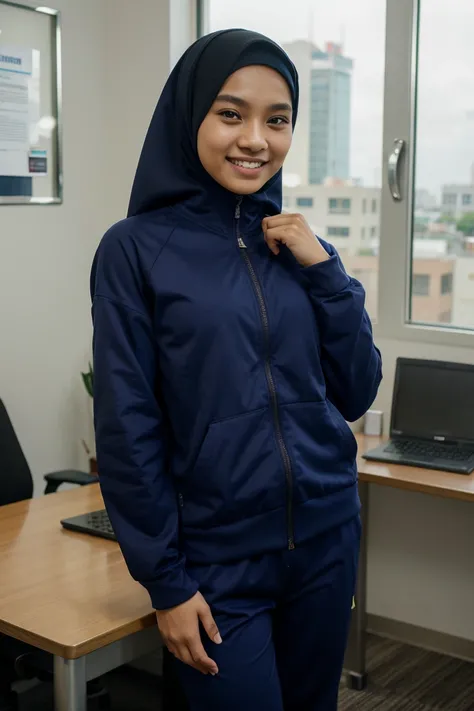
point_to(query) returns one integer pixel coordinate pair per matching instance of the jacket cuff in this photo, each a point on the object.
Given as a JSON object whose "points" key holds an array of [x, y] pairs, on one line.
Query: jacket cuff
{"points": [[172, 590], [326, 278]]}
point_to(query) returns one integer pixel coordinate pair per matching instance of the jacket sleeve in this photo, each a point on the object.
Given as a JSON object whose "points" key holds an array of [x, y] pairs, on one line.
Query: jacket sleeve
{"points": [[130, 434], [351, 363]]}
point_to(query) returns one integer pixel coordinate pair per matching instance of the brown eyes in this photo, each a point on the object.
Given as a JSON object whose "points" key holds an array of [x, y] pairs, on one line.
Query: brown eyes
{"points": [[231, 115]]}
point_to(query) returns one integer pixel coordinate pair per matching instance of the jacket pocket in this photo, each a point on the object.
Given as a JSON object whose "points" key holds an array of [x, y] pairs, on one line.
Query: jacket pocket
{"points": [[322, 448], [237, 473]]}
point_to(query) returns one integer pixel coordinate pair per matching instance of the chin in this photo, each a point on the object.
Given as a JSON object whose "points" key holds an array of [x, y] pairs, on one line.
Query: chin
{"points": [[244, 187], [249, 189]]}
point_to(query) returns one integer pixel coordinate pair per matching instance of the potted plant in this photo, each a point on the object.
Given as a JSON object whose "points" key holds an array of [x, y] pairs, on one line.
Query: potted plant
{"points": [[88, 380]]}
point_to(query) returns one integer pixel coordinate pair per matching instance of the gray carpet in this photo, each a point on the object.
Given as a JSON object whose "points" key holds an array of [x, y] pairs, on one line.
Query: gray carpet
{"points": [[402, 678]]}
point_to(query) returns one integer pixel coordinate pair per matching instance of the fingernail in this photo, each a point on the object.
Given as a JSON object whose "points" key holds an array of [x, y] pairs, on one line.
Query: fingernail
{"points": [[218, 639]]}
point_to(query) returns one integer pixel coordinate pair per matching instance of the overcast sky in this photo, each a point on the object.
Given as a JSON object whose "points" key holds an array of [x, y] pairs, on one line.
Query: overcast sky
{"points": [[445, 135]]}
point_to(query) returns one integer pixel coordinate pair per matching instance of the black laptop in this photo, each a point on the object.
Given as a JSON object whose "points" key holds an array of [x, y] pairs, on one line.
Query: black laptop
{"points": [[96, 523], [432, 419]]}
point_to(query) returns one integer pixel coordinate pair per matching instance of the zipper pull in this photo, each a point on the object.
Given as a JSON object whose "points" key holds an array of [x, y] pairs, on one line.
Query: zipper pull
{"points": [[241, 243]]}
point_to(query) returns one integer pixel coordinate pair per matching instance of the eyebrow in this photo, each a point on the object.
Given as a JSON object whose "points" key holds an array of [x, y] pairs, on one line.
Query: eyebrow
{"points": [[238, 101]]}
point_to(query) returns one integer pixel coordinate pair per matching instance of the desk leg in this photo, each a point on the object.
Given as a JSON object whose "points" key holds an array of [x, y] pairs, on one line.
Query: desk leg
{"points": [[356, 648], [70, 688]]}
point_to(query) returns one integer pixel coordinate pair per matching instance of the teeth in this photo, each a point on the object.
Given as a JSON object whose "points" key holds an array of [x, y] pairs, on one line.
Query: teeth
{"points": [[247, 164]]}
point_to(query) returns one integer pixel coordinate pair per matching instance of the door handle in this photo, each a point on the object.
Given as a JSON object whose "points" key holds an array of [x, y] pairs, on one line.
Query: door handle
{"points": [[393, 161]]}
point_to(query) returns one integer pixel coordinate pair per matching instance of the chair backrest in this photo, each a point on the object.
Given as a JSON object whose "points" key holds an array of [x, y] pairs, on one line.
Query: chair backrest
{"points": [[16, 482]]}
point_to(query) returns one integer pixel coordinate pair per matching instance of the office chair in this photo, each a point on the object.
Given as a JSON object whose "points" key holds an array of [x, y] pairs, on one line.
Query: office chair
{"points": [[16, 482], [19, 660]]}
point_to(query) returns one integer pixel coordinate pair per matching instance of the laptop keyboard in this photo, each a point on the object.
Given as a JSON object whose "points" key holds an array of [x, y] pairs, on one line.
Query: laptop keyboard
{"points": [[99, 521], [429, 450]]}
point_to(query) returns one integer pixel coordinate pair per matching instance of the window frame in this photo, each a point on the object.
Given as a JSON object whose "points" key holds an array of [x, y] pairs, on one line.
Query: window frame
{"points": [[396, 217], [339, 209], [449, 276], [309, 201], [424, 279], [336, 227]]}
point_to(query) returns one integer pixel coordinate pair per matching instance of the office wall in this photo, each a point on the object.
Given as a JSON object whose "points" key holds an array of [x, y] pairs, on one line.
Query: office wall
{"points": [[45, 253], [115, 60], [143, 41], [420, 563]]}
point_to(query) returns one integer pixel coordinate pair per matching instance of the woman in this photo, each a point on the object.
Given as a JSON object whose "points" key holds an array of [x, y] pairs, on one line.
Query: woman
{"points": [[229, 348]]}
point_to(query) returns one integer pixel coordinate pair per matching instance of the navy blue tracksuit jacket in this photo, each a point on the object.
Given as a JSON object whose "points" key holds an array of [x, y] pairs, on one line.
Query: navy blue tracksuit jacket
{"points": [[224, 377]]}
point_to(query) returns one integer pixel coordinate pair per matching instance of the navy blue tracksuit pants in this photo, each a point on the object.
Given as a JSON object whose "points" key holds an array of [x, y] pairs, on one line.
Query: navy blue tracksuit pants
{"points": [[284, 620]]}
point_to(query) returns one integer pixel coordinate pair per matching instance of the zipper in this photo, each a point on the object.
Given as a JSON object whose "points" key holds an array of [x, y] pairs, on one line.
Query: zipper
{"points": [[269, 376]]}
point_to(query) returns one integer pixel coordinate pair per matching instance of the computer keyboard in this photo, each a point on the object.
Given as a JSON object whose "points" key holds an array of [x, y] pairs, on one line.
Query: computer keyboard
{"points": [[429, 450], [100, 521]]}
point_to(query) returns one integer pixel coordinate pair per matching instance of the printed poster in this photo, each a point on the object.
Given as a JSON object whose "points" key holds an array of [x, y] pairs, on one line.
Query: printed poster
{"points": [[20, 112]]}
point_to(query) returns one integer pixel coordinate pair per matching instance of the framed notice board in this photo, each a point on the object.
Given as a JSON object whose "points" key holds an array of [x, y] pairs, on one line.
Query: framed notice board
{"points": [[30, 105]]}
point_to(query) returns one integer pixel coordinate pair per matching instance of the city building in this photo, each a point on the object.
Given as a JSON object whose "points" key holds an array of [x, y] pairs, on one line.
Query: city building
{"points": [[432, 289], [463, 295], [345, 214], [456, 199], [434, 297], [426, 201], [321, 145], [365, 268]]}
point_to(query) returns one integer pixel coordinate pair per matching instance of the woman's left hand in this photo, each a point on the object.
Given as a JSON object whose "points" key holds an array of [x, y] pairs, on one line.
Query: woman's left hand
{"points": [[293, 231]]}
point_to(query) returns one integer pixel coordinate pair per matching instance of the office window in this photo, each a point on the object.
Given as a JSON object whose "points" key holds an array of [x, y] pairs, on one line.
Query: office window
{"points": [[419, 110], [374, 206], [447, 283], [304, 202], [373, 231], [338, 232], [339, 206], [420, 285], [339, 133], [435, 16], [364, 206], [362, 232]]}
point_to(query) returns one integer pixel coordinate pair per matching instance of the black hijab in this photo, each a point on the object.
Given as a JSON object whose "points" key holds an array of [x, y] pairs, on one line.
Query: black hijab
{"points": [[169, 170]]}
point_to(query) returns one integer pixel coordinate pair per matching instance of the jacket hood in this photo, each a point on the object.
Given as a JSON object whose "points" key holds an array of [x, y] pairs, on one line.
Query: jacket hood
{"points": [[169, 171]]}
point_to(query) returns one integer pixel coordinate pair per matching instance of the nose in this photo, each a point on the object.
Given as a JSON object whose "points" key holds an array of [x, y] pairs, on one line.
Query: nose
{"points": [[252, 137]]}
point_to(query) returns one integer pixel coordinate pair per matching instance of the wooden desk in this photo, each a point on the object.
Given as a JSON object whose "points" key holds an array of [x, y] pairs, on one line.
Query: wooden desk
{"points": [[70, 594], [427, 481]]}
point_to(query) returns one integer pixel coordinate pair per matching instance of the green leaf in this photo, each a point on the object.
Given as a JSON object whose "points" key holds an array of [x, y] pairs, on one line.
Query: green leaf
{"points": [[88, 380]]}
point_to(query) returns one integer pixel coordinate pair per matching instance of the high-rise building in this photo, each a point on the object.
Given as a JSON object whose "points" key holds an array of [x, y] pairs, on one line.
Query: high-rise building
{"points": [[321, 146]]}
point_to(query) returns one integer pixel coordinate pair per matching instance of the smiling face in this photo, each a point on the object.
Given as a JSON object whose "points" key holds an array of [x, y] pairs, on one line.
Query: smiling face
{"points": [[247, 133]]}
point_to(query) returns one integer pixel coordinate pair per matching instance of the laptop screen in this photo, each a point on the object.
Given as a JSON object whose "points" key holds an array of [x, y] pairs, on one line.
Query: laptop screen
{"points": [[433, 400]]}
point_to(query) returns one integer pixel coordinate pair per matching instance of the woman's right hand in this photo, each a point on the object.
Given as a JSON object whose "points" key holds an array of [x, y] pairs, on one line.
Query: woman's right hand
{"points": [[179, 628]]}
